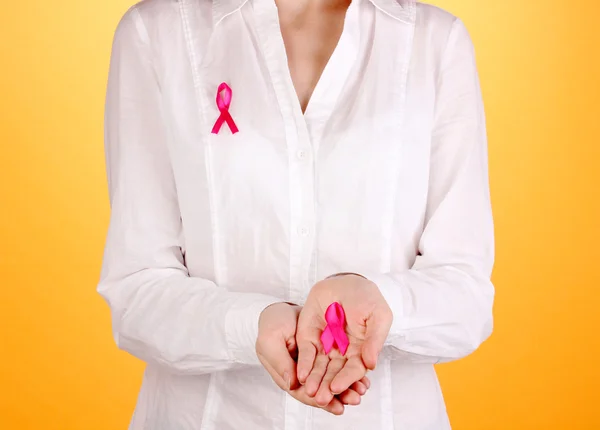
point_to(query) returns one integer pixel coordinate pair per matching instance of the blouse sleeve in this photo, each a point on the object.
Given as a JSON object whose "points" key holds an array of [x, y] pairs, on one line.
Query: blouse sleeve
{"points": [[442, 306], [160, 313]]}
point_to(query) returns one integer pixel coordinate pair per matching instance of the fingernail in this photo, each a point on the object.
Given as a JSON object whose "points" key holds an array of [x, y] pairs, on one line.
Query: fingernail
{"points": [[286, 378]]}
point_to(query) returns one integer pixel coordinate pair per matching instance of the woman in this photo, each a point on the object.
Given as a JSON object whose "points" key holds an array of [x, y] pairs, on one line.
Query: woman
{"points": [[269, 158]]}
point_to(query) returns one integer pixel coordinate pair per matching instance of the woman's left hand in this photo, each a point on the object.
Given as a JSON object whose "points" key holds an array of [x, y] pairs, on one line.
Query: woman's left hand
{"points": [[368, 321]]}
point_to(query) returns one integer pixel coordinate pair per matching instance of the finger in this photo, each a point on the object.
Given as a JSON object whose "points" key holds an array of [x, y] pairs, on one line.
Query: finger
{"points": [[350, 397], [354, 370], [359, 387], [324, 394], [336, 407], [307, 353], [366, 381], [378, 328], [316, 375]]}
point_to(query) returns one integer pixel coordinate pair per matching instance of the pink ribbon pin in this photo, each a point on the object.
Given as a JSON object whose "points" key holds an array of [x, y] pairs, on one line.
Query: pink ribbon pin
{"points": [[224, 95], [334, 331]]}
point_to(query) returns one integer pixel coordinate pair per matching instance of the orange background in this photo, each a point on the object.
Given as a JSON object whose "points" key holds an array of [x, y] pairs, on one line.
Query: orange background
{"points": [[540, 72]]}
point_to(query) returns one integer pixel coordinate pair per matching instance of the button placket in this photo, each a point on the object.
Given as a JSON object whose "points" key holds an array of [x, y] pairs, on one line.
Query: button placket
{"points": [[301, 169], [303, 183]]}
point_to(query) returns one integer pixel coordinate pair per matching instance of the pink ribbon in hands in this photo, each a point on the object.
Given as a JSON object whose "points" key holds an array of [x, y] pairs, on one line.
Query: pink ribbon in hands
{"points": [[224, 95], [334, 332]]}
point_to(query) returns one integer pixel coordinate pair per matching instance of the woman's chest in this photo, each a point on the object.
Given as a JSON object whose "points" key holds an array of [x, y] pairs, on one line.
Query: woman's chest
{"points": [[334, 177], [368, 122]]}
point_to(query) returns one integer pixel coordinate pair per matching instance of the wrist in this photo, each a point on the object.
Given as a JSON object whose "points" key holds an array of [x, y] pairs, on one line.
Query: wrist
{"points": [[335, 275], [278, 305], [281, 308], [242, 326]]}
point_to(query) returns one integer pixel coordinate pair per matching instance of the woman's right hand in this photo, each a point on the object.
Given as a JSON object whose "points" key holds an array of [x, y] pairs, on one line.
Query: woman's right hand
{"points": [[277, 351]]}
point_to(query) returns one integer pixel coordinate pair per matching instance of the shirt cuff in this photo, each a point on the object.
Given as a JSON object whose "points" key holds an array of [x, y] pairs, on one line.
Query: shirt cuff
{"points": [[392, 293], [241, 326]]}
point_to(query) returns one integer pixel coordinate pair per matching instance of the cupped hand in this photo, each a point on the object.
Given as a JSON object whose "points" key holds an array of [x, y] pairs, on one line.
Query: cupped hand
{"points": [[276, 348], [368, 321]]}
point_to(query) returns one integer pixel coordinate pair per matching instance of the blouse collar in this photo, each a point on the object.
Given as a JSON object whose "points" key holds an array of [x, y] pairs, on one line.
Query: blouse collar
{"points": [[401, 10]]}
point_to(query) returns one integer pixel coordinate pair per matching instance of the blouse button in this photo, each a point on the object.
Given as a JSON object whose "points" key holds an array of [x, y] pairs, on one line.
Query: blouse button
{"points": [[301, 154], [303, 231]]}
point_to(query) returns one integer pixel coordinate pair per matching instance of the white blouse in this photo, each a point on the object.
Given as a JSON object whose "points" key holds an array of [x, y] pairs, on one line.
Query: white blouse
{"points": [[385, 175]]}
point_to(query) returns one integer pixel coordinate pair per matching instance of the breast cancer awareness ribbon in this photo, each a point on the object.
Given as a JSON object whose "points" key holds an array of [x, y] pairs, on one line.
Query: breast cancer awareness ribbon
{"points": [[224, 95], [334, 333]]}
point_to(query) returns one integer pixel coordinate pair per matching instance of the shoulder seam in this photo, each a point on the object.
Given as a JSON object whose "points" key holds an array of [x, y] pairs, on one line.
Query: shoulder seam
{"points": [[144, 36], [140, 25], [445, 52]]}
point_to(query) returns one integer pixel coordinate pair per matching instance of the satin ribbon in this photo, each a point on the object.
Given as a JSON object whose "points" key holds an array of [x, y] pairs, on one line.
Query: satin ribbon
{"points": [[334, 333], [224, 95]]}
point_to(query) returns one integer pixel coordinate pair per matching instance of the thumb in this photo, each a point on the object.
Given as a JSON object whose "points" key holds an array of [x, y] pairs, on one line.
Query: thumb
{"points": [[279, 362], [377, 330], [308, 338]]}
